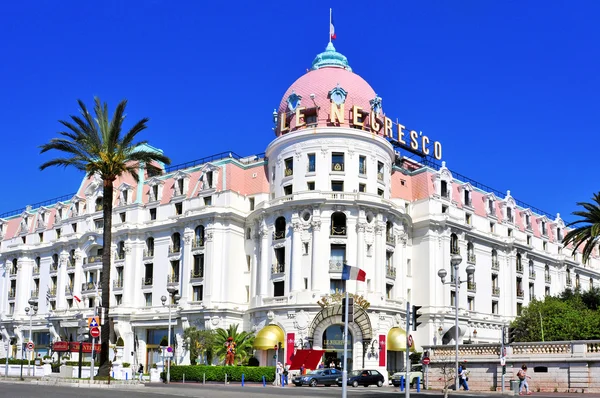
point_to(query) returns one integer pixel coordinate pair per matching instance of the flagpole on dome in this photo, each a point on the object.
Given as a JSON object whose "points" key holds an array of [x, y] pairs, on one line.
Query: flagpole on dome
{"points": [[330, 23]]}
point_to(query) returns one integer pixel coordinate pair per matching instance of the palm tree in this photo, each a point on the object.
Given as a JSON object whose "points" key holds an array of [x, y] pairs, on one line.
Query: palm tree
{"points": [[587, 234], [243, 343], [97, 147]]}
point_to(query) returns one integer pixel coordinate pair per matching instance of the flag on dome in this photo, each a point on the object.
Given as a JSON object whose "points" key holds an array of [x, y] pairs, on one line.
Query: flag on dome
{"points": [[331, 27], [353, 273]]}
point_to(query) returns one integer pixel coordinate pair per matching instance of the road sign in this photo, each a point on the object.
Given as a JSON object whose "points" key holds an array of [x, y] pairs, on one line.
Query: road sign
{"points": [[410, 340], [167, 353], [169, 349], [502, 361], [426, 361], [95, 332], [30, 346], [93, 322]]}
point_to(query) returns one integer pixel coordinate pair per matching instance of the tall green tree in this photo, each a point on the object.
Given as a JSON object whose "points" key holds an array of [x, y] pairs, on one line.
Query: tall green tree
{"points": [[96, 146], [587, 231], [199, 342], [243, 343]]}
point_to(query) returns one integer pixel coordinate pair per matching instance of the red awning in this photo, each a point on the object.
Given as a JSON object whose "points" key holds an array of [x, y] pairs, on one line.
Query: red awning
{"points": [[309, 358]]}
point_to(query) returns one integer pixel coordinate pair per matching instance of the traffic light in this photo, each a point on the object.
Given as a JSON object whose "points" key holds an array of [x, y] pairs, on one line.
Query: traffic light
{"points": [[512, 334], [350, 309], [415, 316]]}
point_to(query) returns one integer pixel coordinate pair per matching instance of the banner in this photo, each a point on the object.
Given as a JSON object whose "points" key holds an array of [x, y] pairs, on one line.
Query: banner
{"points": [[382, 350], [289, 347]]}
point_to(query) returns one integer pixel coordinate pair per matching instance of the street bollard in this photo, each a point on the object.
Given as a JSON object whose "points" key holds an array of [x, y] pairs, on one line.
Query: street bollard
{"points": [[282, 381], [203, 377], [184, 378], [401, 383], [242, 380], [418, 384], [225, 378], [126, 376], [264, 382]]}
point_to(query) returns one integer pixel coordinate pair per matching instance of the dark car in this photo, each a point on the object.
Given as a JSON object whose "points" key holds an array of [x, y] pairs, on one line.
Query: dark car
{"points": [[321, 376], [363, 378]]}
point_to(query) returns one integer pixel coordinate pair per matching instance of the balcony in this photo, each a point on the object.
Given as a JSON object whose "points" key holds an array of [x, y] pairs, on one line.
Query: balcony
{"points": [[36, 270], [51, 292], [338, 231], [148, 253], [69, 290], [173, 279], [13, 271], [11, 294], [71, 263], [472, 287], [146, 282], [174, 249], [198, 242], [120, 255], [278, 269], [336, 266], [519, 268], [88, 287], [390, 272], [471, 258], [92, 260], [569, 282], [118, 284], [390, 239], [35, 293], [531, 274], [278, 235], [197, 273], [339, 166], [454, 250], [380, 176], [495, 264], [289, 172], [495, 291], [548, 279], [520, 294]]}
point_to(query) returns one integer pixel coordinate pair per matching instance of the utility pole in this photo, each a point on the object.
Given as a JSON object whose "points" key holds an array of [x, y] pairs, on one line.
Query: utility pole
{"points": [[502, 357], [406, 380]]}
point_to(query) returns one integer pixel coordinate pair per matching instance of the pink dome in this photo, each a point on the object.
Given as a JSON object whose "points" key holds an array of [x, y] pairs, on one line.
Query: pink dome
{"points": [[320, 82]]}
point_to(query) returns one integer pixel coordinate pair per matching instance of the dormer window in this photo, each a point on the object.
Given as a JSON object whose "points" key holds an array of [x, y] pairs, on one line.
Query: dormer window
{"points": [[444, 192], [527, 221], [180, 186], [559, 234], [491, 208], [544, 228], [467, 198], [209, 179], [509, 215]]}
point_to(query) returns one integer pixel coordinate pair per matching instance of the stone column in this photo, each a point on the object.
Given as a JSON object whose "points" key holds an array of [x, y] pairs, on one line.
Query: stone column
{"points": [[265, 266], [254, 267], [315, 263], [379, 260], [186, 264], [296, 259], [360, 254]]}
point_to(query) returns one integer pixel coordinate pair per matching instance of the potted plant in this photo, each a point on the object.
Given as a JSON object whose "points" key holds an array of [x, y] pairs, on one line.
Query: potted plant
{"points": [[47, 359], [65, 359]]}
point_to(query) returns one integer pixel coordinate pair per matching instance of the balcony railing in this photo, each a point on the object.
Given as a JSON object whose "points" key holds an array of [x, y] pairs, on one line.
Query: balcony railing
{"points": [[118, 284], [336, 266], [288, 172], [531, 274], [495, 264], [174, 249], [519, 268], [380, 176], [71, 263], [548, 278], [35, 294], [13, 271], [454, 250], [173, 279], [390, 239], [278, 235], [52, 292], [520, 294], [198, 242], [471, 287], [36, 270], [12, 293], [278, 268], [92, 260], [471, 257], [338, 231], [69, 290], [569, 282], [495, 291], [148, 253], [88, 287], [339, 166], [197, 273], [390, 272], [120, 255], [147, 282]]}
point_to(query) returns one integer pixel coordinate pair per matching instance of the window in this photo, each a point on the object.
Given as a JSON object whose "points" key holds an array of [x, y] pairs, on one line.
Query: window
{"points": [[148, 271], [198, 271], [531, 291], [547, 291], [121, 250], [180, 190], [99, 224], [198, 293], [279, 265], [69, 303], [444, 189], [492, 227], [362, 187], [41, 236], [529, 240], [337, 186], [467, 198], [509, 215], [380, 192], [99, 204], [454, 244], [337, 161], [248, 263], [178, 208], [362, 165], [559, 235], [312, 165], [336, 285], [310, 185], [468, 219], [491, 208], [251, 202], [289, 167], [287, 190], [122, 216], [11, 309], [338, 224], [510, 232], [280, 227], [452, 298], [148, 299], [209, 179], [494, 307], [149, 252], [519, 308], [208, 201], [91, 302], [444, 209], [305, 284], [174, 275], [545, 246], [471, 303], [380, 171], [527, 221], [118, 299], [248, 233], [337, 257], [278, 289], [389, 290], [408, 267], [57, 233], [152, 214]]}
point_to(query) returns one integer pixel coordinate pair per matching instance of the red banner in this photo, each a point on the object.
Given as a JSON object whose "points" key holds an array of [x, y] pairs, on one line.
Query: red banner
{"points": [[60, 346], [289, 347], [87, 347], [382, 350]]}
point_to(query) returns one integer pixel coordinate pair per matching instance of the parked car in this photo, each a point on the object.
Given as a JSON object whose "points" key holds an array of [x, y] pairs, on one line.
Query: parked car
{"points": [[416, 372], [365, 377], [326, 377]]}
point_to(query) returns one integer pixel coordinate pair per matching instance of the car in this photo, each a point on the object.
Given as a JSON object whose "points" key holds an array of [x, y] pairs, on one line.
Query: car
{"points": [[416, 373], [326, 377], [365, 377]]}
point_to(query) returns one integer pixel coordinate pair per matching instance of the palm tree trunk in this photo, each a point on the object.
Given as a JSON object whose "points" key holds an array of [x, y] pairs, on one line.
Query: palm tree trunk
{"points": [[107, 199]]}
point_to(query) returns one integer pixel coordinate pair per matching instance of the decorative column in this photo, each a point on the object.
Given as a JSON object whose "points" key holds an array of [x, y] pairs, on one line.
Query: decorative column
{"points": [[186, 264], [360, 253], [379, 262], [256, 239], [265, 266], [315, 264], [295, 264]]}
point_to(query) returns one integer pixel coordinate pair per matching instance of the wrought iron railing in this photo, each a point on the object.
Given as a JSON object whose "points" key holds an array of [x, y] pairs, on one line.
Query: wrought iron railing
{"points": [[471, 258], [336, 266], [35, 294], [174, 249], [196, 273], [173, 279], [118, 284], [278, 268], [472, 287], [495, 291], [338, 231], [520, 293], [198, 242], [147, 282], [278, 235], [390, 272]]}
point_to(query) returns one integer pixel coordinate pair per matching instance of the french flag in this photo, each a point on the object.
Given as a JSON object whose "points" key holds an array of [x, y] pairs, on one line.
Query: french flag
{"points": [[331, 27], [353, 273]]}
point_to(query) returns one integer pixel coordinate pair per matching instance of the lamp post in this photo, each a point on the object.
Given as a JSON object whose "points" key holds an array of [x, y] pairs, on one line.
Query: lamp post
{"points": [[34, 309], [175, 297], [455, 260]]}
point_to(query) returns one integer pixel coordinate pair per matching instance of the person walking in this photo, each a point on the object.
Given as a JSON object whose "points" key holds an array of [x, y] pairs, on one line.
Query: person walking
{"points": [[278, 371], [522, 375], [140, 372], [286, 371], [463, 378]]}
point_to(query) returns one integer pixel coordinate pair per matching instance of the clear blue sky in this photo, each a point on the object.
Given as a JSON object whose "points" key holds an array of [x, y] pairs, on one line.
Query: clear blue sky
{"points": [[511, 88]]}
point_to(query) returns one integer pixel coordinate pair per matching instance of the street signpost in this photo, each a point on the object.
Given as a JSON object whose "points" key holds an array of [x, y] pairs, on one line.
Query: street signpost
{"points": [[30, 346], [426, 361], [410, 340], [93, 322], [95, 332]]}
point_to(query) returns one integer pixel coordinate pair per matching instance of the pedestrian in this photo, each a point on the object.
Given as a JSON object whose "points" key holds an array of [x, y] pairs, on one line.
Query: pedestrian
{"points": [[464, 378], [302, 369], [332, 364], [522, 375], [278, 370], [141, 371], [286, 371]]}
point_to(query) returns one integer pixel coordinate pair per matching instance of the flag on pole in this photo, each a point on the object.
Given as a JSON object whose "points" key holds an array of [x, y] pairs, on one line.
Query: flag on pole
{"points": [[332, 35], [77, 299], [353, 273], [48, 296]]}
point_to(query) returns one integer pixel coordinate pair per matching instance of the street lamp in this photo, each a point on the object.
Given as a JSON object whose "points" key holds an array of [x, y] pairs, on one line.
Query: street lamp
{"points": [[175, 298], [29, 311], [455, 260]]}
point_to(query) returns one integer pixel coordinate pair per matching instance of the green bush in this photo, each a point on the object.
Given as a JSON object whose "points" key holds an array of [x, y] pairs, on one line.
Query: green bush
{"points": [[253, 361], [14, 361], [217, 373], [126, 364], [120, 342], [84, 363]]}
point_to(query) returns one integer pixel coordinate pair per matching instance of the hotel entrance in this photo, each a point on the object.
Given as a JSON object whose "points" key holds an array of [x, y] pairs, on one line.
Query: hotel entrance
{"points": [[333, 344], [153, 350]]}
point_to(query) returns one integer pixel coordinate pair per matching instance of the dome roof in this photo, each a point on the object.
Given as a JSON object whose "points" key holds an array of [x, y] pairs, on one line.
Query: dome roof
{"points": [[314, 90]]}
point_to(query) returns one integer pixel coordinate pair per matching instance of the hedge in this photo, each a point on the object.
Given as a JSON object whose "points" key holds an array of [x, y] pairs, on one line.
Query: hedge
{"points": [[217, 373], [83, 363], [14, 361]]}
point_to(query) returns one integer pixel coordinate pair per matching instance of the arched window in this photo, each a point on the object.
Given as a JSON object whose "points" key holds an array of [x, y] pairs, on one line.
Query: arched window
{"points": [[280, 227], [198, 236], [568, 277], [121, 250], [175, 243], [338, 224], [149, 252], [495, 262], [454, 249], [99, 206], [389, 232], [519, 263], [470, 253]]}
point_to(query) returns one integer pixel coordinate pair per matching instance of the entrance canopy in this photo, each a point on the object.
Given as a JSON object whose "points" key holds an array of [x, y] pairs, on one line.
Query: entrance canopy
{"points": [[396, 340], [268, 337], [309, 358]]}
